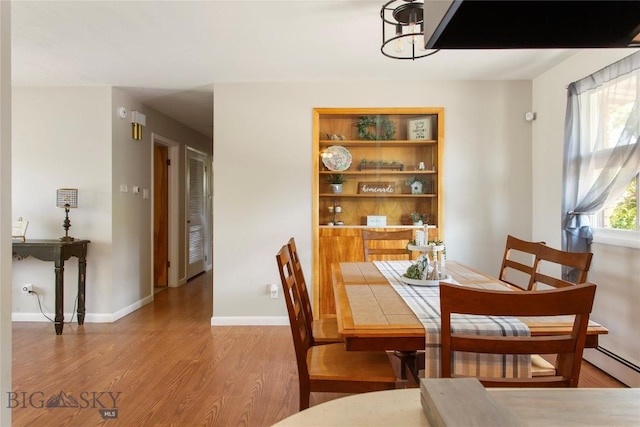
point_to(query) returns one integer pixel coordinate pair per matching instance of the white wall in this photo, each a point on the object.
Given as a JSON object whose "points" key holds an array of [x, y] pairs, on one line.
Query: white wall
{"points": [[73, 137], [5, 207], [62, 138], [615, 269], [262, 175]]}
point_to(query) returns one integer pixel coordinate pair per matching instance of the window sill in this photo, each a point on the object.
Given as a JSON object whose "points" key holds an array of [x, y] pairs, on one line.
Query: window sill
{"points": [[624, 238]]}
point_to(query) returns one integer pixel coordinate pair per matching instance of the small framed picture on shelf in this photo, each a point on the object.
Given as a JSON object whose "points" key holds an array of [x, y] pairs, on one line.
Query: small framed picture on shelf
{"points": [[19, 229], [419, 129]]}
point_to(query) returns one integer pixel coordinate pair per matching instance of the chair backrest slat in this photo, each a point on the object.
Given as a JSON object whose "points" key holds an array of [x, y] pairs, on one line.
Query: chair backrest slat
{"points": [[301, 332], [519, 262], [386, 245], [575, 300], [578, 262], [305, 301]]}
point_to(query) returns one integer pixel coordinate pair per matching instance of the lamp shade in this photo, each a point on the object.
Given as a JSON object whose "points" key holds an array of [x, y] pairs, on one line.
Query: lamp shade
{"points": [[67, 197]]}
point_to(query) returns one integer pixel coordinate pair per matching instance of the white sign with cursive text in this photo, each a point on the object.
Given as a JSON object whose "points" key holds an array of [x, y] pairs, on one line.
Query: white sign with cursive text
{"points": [[376, 187]]}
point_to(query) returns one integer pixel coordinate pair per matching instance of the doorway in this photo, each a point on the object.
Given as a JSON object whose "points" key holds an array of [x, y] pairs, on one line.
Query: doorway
{"points": [[165, 213], [198, 212], [160, 216]]}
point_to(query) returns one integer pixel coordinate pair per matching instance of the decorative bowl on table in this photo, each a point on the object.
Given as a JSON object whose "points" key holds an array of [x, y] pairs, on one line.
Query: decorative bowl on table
{"points": [[422, 282], [428, 269], [427, 248]]}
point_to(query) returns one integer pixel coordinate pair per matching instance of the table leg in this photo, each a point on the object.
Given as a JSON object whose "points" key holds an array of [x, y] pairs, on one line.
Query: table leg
{"points": [[408, 359], [82, 269], [59, 319]]}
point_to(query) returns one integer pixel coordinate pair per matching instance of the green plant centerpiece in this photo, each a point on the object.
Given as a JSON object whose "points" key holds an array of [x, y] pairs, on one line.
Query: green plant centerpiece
{"points": [[335, 181], [385, 129], [431, 264]]}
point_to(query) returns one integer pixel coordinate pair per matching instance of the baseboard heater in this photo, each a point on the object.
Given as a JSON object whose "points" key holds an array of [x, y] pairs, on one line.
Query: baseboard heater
{"points": [[619, 359]]}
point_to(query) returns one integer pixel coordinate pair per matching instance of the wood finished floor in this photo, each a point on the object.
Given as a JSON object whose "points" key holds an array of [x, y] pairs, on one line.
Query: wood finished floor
{"points": [[169, 366]]}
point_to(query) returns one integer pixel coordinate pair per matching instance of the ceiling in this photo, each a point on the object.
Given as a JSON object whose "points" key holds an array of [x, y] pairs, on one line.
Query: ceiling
{"points": [[169, 54]]}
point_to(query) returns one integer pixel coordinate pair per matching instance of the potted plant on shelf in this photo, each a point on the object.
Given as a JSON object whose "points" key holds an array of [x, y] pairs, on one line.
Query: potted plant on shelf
{"points": [[335, 181], [418, 219], [416, 184]]}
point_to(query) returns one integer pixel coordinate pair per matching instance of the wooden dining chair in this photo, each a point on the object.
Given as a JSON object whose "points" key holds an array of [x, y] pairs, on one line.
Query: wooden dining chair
{"points": [[324, 330], [329, 367], [385, 245], [576, 300], [519, 262], [578, 262]]}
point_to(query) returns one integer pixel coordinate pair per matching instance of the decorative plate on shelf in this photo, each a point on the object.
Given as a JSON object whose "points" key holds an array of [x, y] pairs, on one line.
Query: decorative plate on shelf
{"points": [[337, 158], [419, 282]]}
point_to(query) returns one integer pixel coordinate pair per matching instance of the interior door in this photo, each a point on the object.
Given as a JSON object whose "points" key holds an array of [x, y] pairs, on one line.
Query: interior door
{"points": [[197, 212], [160, 216]]}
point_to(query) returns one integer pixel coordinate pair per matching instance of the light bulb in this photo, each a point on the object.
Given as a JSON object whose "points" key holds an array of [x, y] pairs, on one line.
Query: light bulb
{"points": [[412, 25], [399, 46]]}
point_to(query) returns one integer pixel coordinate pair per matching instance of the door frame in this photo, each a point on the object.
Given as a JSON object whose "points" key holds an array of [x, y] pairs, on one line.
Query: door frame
{"points": [[208, 221], [173, 149]]}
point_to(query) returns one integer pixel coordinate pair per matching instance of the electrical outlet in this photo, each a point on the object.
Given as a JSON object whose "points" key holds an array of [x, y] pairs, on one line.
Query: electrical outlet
{"points": [[274, 290], [27, 289]]}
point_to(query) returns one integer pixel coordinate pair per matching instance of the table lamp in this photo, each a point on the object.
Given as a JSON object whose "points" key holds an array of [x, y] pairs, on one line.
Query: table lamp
{"points": [[66, 198]]}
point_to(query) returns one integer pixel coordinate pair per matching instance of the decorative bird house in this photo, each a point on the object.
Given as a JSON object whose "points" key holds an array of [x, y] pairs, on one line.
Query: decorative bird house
{"points": [[416, 187]]}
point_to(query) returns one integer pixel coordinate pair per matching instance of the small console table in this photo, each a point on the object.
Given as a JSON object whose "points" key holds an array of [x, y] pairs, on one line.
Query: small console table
{"points": [[58, 252]]}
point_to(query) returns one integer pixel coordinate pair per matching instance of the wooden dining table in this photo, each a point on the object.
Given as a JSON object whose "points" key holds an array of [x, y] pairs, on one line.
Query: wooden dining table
{"points": [[371, 315]]}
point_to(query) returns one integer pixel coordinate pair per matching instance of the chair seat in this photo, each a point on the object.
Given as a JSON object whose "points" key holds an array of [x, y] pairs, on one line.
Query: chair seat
{"points": [[540, 367], [326, 331], [348, 371]]}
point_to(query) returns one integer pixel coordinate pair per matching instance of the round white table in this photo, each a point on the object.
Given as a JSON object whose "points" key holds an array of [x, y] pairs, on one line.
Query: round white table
{"points": [[536, 407], [380, 408]]}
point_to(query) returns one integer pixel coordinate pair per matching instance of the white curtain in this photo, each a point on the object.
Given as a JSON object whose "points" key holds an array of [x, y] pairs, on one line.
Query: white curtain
{"points": [[598, 162]]}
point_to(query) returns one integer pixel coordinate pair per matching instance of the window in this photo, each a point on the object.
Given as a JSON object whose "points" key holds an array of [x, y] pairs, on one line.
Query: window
{"points": [[622, 213], [616, 107], [602, 157]]}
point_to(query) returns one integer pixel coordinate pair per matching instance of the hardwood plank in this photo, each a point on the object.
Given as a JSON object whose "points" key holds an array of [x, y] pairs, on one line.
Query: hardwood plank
{"points": [[171, 367]]}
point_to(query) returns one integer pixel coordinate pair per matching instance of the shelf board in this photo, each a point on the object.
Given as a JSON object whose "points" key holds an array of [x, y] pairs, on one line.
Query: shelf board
{"points": [[379, 172], [380, 196], [378, 142]]}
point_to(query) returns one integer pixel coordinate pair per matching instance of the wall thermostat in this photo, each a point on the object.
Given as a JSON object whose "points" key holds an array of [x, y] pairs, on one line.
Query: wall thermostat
{"points": [[122, 112]]}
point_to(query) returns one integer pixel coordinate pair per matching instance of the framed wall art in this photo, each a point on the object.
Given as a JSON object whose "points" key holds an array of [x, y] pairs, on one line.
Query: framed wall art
{"points": [[419, 129]]}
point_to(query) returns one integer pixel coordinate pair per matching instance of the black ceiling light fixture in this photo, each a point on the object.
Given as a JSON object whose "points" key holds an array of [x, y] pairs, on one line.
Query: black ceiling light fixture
{"points": [[403, 30]]}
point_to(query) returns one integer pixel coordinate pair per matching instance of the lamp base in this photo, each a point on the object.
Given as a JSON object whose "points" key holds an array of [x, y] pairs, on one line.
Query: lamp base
{"points": [[66, 239]]}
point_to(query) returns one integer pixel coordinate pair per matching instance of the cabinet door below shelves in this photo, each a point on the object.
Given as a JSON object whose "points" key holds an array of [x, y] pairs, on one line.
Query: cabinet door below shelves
{"points": [[336, 245], [343, 244]]}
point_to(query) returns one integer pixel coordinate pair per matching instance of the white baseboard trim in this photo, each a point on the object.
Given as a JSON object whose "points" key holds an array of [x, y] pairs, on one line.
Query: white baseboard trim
{"points": [[34, 317], [612, 367], [38, 317], [88, 318], [249, 321], [131, 308]]}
